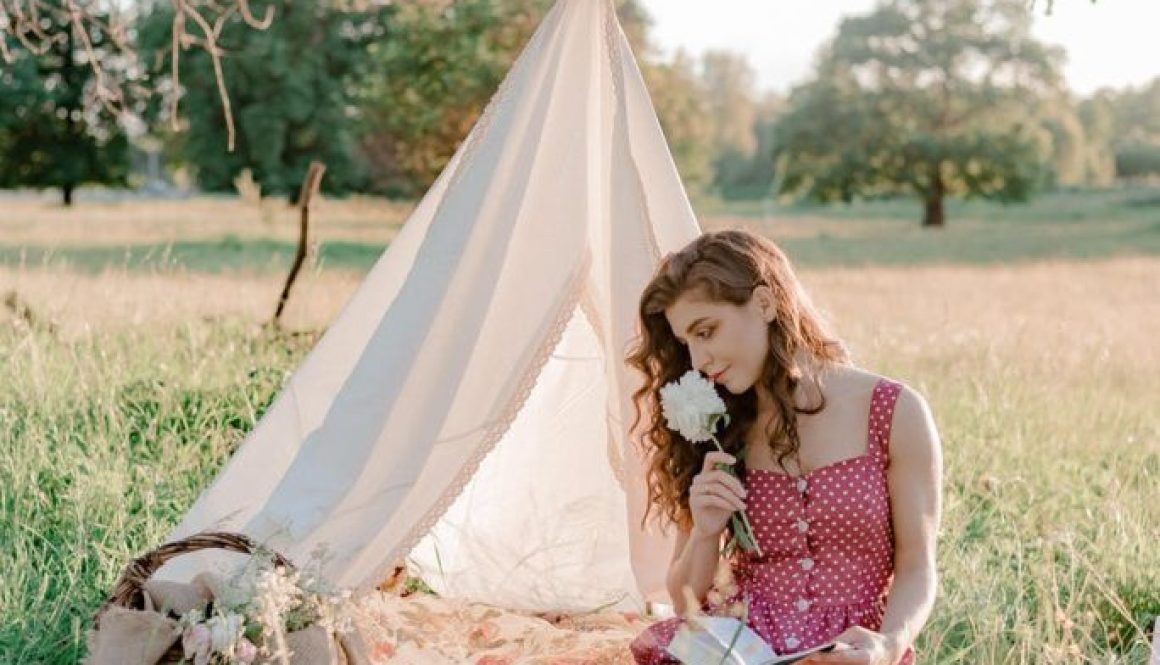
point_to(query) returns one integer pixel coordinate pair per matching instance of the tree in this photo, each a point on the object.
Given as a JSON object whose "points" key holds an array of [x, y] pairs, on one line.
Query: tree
{"points": [[754, 179], [428, 82], [1098, 120], [1136, 139], [728, 83], [679, 98], [1068, 151], [742, 136], [936, 98], [682, 108], [53, 133], [290, 89]]}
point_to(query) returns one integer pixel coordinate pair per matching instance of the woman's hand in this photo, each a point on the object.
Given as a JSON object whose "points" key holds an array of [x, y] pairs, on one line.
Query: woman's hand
{"points": [[714, 496], [861, 646]]}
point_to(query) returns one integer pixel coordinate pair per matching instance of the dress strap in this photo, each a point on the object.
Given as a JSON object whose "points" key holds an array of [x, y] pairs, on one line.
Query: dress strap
{"points": [[881, 417]]}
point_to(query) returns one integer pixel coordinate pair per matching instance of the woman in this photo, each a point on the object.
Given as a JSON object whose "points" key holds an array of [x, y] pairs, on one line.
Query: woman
{"points": [[838, 470]]}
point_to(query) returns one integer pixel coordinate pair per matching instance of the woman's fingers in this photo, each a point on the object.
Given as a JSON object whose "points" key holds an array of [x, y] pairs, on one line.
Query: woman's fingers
{"points": [[716, 457], [718, 491], [714, 501], [727, 479], [719, 479]]}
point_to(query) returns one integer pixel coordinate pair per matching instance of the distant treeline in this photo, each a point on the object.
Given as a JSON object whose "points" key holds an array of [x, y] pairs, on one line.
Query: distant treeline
{"points": [[929, 98]]}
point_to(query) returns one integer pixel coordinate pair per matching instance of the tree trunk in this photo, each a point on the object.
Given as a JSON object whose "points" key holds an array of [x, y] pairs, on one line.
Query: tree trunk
{"points": [[67, 194], [933, 215]]}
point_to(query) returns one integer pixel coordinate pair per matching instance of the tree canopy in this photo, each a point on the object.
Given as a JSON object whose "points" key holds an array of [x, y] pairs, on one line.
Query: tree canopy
{"points": [[291, 88], [935, 98], [51, 136], [925, 98]]}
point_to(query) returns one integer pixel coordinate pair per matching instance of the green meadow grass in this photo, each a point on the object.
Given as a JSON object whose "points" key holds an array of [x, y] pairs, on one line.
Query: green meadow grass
{"points": [[1121, 203], [1048, 549], [227, 254], [1063, 225], [107, 441]]}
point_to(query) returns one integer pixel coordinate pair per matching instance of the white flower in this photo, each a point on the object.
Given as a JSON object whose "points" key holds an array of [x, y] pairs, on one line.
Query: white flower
{"points": [[277, 590], [692, 406], [225, 630]]}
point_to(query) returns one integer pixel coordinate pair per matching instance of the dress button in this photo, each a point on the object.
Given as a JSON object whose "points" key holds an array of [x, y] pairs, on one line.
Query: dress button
{"points": [[803, 604], [792, 642], [802, 525], [801, 484], [807, 563]]}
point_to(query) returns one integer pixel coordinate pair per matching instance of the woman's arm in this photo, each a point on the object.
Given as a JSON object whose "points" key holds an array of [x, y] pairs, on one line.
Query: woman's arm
{"points": [[695, 558], [713, 496], [915, 483]]}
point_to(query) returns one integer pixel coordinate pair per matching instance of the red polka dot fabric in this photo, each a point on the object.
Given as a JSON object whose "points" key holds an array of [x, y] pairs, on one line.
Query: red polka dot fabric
{"points": [[828, 549]]}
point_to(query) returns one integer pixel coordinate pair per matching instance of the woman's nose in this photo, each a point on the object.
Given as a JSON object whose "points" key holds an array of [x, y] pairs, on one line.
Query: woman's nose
{"points": [[700, 359]]}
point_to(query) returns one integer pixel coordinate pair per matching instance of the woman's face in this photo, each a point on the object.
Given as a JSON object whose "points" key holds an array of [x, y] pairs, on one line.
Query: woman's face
{"points": [[726, 342]]}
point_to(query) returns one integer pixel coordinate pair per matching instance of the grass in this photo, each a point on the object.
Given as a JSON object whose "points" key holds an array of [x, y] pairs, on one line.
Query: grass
{"points": [[1039, 364], [1078, 206], [227, 254], [107, 439], [224, 235]]}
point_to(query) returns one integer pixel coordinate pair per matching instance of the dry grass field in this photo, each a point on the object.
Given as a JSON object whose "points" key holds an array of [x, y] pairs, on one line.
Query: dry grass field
{"points": [[1039, 357]]}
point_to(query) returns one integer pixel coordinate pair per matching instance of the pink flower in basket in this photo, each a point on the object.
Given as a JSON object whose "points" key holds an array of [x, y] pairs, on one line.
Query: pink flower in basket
{"points": [[246, 652], [197, 643]]}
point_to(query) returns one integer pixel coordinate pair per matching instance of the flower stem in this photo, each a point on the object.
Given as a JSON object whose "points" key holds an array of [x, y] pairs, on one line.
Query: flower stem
{"points": [[744, 518]]}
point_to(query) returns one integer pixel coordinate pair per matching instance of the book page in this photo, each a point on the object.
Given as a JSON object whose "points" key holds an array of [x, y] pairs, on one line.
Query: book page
{"points": [[728, 641]]}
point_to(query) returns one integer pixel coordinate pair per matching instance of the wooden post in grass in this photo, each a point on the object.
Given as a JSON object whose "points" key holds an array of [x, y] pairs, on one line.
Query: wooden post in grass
{"points": [[310, 185], [23, 311]]}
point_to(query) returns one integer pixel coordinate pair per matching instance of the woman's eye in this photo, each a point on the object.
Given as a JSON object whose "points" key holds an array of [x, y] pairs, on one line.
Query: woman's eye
{"points": [[706, 334]]}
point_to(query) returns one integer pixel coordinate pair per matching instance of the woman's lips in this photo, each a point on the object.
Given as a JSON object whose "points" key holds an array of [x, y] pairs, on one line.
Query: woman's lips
{"points": [[717, 377]]}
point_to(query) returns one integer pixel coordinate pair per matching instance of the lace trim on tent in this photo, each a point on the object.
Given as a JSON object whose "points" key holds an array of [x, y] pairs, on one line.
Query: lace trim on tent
{"points": [[499, 427], [613, 38], [611, 449]]}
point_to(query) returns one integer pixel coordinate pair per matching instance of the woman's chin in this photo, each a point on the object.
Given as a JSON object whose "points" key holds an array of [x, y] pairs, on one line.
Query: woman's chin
{"points": [[728, 385]]}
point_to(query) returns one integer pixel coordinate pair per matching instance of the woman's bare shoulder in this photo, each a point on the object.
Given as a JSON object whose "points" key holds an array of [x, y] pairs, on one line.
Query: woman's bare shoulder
{"points": [[850, 382], [843, 381]]}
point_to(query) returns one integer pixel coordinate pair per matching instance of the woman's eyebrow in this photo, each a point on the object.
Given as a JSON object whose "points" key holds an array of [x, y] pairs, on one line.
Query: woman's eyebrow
{"points": [[693, 325]]}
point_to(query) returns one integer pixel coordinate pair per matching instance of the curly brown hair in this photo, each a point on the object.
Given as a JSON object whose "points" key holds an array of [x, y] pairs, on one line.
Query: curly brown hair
{"points": [[723, 266]]}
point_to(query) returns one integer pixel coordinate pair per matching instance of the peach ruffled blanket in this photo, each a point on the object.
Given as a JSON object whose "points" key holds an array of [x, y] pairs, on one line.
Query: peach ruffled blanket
{"points": [[426, 629]]}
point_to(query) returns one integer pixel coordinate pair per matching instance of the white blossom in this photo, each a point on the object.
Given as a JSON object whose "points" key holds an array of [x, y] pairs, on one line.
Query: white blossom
{"points": [[277, 590], [691, 406], [225, 631], [266, 601]]}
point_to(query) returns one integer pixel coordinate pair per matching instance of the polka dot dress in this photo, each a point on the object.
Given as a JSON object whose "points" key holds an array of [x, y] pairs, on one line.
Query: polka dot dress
{"points": [[828, 549]]}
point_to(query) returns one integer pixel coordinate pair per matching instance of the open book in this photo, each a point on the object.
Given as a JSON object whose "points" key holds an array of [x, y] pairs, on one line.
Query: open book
{"points": [[725, 640]]}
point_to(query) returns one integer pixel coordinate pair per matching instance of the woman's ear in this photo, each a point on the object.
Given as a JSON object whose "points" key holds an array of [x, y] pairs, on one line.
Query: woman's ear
{"points": [[766, 305]]}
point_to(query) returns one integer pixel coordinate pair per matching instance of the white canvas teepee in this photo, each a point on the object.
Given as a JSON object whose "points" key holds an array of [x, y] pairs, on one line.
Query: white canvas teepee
{"points": [[468, 409]]}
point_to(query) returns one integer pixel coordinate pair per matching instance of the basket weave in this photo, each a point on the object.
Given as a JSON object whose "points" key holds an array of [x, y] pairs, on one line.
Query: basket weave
{"points": [[129, 594]]}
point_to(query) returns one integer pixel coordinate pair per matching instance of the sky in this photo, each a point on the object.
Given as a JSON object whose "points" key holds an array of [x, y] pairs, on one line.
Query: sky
{"points": [[1109, 43]]}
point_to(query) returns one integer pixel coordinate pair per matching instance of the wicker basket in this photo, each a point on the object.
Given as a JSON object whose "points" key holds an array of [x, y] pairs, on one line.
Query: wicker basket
{"points": [[129, 593]]}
